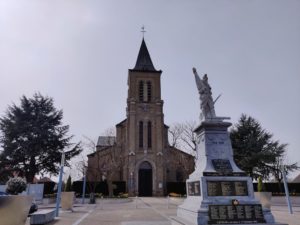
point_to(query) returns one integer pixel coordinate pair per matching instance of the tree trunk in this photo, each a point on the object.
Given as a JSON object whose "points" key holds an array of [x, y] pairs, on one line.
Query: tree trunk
{"points": [[30, 177], [31, 171], [280, 188]]}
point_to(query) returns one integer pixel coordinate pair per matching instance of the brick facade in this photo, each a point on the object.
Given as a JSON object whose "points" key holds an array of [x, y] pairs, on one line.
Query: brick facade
{"points": [[140, 153]]}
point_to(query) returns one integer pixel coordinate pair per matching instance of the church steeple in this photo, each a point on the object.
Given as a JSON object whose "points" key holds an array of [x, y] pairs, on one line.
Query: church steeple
{"points": [[144, 62]]}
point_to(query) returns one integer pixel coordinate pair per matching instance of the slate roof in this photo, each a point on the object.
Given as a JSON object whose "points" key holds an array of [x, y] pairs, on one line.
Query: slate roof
{"points": [[144, 62], [106, 141], [296, 179]]}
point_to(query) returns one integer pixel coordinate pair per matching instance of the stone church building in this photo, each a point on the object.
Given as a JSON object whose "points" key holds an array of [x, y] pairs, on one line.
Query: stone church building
{"points": [[140, 153]]}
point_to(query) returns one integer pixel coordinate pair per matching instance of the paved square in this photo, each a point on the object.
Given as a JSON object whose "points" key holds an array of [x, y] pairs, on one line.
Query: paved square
{"points": [[150, 211]]}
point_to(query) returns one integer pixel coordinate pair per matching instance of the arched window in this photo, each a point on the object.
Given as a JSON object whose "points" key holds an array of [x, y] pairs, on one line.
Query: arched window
{"points": [[141, 134], [149, 134], [141, 91], [145, 166], [149, 91]]}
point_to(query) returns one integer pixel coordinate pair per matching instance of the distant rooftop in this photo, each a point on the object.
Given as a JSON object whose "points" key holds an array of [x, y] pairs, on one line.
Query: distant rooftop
{"points": [[296, 179], [45, 179], [106, 141]]}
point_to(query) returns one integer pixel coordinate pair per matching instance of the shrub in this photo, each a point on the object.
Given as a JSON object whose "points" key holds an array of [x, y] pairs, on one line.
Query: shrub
{"points": [[98, 195], [50, 195], [260, 185], [123, 195], [16, 185]]}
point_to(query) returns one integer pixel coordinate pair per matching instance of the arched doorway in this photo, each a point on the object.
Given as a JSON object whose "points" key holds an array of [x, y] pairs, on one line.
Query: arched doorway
{"points": [[145, 179]]}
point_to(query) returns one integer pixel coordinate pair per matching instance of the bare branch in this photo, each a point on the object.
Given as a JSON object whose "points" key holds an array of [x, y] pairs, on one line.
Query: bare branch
{"points": [[175, 132]]}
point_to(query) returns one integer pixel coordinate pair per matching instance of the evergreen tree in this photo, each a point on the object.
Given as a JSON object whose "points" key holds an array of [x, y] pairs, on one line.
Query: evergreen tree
{"points": [[260, 185], [33, 137], [254, 150], [68, 187]]}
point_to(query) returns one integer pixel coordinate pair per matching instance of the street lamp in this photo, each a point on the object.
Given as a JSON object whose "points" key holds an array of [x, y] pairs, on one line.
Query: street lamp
{"points": [[60, 183], [287, 194]]}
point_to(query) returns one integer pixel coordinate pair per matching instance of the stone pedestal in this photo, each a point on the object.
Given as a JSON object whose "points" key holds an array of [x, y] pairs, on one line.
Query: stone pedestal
{"points": [[218, 192]]}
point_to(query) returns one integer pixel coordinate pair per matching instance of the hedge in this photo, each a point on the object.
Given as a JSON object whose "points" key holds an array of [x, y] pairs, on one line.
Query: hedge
{"points": [[278, 188], [176, 187], [99, 187], [48, 187]]}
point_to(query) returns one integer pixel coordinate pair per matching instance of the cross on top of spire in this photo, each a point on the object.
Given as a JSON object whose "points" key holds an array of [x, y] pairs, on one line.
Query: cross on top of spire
{"points": [[143, 30]]}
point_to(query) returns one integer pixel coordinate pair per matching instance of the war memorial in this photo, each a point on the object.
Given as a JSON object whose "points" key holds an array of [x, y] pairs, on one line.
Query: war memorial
{"points": [[218, 192]]}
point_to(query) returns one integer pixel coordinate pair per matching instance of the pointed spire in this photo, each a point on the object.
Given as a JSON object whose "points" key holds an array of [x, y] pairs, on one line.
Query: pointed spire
{"points": [[144, 61]]}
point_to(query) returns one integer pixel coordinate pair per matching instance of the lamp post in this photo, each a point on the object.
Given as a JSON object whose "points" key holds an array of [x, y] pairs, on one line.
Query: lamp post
{"points": [[131, 181], [287, 194], [84, 184], [60, 183]]}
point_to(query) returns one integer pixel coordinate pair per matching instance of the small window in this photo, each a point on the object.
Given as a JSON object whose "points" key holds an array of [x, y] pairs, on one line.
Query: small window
{"points": [[149, 91], [141, 134], [149, 134], [141, 91]]}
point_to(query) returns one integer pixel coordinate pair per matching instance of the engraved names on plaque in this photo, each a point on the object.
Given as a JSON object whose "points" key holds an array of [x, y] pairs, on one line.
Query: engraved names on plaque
{"points": [[194, 188], [222, 165], [231, 214], [241, 188], [227, 188], [223, 168]]}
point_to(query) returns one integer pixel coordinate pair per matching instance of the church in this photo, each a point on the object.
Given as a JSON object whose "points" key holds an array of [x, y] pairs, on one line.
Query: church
{"points": [[139, 154]]}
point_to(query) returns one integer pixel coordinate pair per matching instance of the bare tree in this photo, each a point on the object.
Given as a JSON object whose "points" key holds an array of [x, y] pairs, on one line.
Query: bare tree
{"points": [[93, 171], [109, 132], [189, 137], [279, 165], [175, 133], [80, 166], [182, 135], [112, 164], [108, 160]]}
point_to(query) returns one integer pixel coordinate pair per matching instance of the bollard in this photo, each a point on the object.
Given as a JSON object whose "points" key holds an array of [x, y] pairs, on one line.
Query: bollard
{"points": [[101, 203], [168, 202], [136, 198]]}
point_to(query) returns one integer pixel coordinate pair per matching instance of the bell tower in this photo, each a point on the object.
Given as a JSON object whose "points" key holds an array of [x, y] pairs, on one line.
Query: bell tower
{"points": [[144, 105], [145, 119]]}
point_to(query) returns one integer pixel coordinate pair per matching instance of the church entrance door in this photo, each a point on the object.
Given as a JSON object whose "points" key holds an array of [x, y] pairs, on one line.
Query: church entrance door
{"points": [[145, 179]]}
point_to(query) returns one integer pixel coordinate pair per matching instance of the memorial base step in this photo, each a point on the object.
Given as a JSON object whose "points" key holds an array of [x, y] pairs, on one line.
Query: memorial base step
{"points": [[180, 221]]}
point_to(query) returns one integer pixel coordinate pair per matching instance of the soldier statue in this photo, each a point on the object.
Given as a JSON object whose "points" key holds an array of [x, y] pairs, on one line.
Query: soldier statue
{"points": [[206, 100]]}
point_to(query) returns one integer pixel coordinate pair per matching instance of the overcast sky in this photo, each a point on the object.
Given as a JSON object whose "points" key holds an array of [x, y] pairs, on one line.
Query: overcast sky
{"points": [[79, 53]]}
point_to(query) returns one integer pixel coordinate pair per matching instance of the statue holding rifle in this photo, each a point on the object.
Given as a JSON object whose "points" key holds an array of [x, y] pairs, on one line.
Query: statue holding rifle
{"points": [[206, 100]]}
